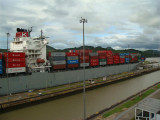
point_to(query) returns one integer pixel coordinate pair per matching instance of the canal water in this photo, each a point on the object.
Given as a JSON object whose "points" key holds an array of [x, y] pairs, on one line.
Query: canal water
{"points": [[71, 107]]}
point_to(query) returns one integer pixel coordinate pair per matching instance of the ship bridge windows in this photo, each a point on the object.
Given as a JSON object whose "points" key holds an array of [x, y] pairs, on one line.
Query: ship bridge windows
{"points": [[19, 42], [33, 52]]}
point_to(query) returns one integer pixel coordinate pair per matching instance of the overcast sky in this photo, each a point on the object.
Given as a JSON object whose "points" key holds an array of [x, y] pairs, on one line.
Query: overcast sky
{"points": [[114, 23]]}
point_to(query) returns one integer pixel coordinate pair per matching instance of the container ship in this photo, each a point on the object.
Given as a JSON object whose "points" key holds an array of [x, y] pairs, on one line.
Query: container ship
{"points": [[27, 66]]}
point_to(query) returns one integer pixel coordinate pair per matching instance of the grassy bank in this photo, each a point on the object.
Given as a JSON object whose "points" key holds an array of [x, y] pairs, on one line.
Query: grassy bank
{"points": [[132, 102]]}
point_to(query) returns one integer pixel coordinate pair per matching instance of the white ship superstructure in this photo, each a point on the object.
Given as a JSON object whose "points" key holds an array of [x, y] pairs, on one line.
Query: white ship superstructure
{"points": [[34, 48]]}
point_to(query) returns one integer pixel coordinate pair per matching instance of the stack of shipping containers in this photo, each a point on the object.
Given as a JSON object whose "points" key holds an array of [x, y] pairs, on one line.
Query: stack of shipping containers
{"points": [[122, 58], [127, 60], [72, 60], [57, 60], [86, 57], [1, 65], [15, 62], [93, 59], [109, 57], [142, 58], [116, 58], [133, 57], [102, 57]]}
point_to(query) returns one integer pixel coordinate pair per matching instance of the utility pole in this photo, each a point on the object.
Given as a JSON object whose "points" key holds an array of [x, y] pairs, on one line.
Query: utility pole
{"points": [[8, 92], [84, 86], [128, 59]]}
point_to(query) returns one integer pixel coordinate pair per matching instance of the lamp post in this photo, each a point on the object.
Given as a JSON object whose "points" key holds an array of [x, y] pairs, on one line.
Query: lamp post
{"points": [[8, 34], [83, 20], [128, 59]]}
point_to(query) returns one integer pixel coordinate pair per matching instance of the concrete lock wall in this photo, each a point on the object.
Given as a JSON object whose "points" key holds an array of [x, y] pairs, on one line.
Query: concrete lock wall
{"points": [[43, 80]]}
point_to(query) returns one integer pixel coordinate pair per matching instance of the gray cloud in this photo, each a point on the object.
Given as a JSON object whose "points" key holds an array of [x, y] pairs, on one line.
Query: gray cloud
{"points": [[110, 22]]}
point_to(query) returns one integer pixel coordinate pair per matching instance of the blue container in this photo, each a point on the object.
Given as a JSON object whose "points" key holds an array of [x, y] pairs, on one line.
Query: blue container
{"points": [[126, 60], [126, 54], [0, 63], [121, 54], [1, 71], [72, 61]]}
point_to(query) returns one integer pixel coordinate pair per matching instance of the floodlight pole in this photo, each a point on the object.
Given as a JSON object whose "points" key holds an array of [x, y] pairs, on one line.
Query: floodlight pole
{"points": [[84, 86], [8, 34]]}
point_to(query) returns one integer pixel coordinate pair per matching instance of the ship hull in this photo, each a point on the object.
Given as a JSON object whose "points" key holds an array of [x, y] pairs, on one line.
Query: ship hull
{"points": [[42, 80]]}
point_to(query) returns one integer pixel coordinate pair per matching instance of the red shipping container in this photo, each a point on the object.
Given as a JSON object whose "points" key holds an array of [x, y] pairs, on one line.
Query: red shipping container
{"points": [[102, 54], [116, 58], [73, 65], [56, 67], [15, 65], [110, 62], [93, 57], [109, 54], [22, 34], [94, 63], [80, 51], [86, 57], [86, 61], [86, 51], [102, 51], [102, 57], [10, 60], [94, 60], [132, 60], [15, 55], [116, 61], [49, 54], [81, 54], [0, 55], [136, 59], [116, 54], [108, 51], [71, 54], [122, 60], [109, 57]]}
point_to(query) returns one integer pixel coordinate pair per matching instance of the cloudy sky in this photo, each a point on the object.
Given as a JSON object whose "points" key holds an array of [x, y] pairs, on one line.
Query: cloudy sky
{"points": [[114, 23]]}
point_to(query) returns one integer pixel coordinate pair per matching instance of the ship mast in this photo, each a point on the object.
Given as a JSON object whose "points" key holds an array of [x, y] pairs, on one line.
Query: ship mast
{"points": [[41, 34]]}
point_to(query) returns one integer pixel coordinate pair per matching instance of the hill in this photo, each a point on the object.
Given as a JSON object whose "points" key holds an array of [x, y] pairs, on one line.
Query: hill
{"points": [[3, 50], [147, 53]]}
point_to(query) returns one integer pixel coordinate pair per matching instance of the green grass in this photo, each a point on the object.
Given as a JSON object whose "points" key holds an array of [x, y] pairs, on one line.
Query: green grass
{"points": [[131, 102]]}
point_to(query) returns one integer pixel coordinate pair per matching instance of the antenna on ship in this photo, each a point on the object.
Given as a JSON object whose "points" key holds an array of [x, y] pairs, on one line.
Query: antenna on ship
{"points": [[29, 31], [41, 36], [41, 33]]}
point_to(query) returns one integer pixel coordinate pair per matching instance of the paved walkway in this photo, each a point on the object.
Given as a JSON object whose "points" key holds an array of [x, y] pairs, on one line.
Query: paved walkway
{"points": [[129, 113]]}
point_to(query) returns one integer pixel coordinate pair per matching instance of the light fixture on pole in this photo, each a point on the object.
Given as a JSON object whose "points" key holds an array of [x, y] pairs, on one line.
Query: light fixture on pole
{"points": [[84, 86]]}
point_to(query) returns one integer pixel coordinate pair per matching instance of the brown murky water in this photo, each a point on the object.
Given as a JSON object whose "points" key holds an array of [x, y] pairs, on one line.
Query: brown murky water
{"points": [[71, 108]]}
